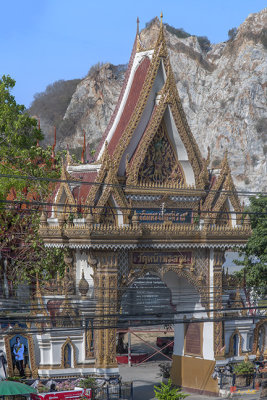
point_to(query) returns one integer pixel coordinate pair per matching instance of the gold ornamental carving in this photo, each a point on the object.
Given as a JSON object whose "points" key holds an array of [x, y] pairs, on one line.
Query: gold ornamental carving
{"points": [[64, 348], [219, 348], [160, 163], [106, 283], [89, 347], [259, 326]]}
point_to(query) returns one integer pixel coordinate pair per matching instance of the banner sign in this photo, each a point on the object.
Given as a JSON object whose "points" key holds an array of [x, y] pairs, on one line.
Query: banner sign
{"points": [[146, 296], [161, 258], [174, 215]]}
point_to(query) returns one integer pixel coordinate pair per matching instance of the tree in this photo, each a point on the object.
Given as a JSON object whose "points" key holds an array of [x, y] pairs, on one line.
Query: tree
{"points": [[168, 392], [22, 251], [232, 33], [255, 252], [204, 43]]}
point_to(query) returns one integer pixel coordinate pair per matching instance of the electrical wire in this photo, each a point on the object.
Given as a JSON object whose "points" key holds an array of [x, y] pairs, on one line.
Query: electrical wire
{"points": [[120, 185]]}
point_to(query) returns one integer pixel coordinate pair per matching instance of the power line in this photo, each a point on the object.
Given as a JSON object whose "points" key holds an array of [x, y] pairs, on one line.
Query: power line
{"points": [[103, 184], [82, 206]]}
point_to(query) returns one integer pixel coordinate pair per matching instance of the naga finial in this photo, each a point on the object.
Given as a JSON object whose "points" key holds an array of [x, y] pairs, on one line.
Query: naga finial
{"points": [[137, 27], [161, 16]]}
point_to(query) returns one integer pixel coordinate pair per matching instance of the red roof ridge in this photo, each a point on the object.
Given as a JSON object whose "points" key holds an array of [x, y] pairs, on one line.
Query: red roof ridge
{"points": [[115, 112]]}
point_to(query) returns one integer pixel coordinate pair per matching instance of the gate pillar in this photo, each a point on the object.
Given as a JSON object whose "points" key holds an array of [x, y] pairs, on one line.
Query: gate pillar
{"points": [[106, 278], [217, 290]]}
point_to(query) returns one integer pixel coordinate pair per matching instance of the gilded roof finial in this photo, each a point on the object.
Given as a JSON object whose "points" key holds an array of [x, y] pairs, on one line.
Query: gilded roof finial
{"points": [[68, 156], [160, 44]]}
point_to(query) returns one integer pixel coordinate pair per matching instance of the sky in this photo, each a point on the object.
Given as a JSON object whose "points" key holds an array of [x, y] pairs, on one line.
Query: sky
{"points": [[42, 41]]}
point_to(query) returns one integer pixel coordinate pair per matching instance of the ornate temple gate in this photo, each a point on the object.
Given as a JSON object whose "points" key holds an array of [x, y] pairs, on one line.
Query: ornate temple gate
{"points": [[148, 202], [115, 271]]}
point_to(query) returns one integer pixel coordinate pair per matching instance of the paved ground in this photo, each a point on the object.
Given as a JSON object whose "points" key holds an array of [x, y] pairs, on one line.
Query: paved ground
{"points": [[145, 376]]}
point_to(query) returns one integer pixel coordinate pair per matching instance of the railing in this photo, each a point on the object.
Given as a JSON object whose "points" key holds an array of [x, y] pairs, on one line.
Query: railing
{"points": [[239, 381], [119, 391]]}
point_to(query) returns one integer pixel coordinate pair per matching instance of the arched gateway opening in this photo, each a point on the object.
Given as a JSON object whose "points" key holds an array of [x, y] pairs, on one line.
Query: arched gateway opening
{"points": [[147, 313], [157, 300]]}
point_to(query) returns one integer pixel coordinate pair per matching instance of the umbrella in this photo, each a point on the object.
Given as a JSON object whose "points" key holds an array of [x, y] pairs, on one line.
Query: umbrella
{"points": [[11, 388]]}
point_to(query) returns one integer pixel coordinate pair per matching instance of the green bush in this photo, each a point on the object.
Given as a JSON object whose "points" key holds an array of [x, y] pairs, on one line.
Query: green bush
{"points": [[88, 383], [179, 32], [232, 33], [168, 392], [244, 368], [204, 43]]}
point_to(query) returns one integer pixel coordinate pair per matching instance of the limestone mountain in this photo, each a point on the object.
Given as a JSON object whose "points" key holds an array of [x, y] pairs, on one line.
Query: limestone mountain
{"points": [[223, 92]]}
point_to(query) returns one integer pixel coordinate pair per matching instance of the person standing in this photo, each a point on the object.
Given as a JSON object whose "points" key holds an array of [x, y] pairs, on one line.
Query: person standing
{"points": [[18, 351]]}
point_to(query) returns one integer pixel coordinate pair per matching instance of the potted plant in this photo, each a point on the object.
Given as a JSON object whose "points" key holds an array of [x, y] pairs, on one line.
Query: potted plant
{"points": [[165, 371], [87, 383], [244, 372], [168, 392]]}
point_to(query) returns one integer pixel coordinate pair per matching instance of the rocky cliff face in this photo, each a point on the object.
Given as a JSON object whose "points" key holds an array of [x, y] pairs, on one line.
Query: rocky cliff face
{"points": [[223, 92]]}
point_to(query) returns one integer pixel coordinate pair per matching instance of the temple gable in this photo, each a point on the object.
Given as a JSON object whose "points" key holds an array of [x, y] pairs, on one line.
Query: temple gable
{"points": [[161, 164]]}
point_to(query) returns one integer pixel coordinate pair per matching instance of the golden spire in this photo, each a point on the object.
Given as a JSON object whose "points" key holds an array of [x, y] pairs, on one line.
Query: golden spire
{"points": [[68, 157], [160, 44], [224, 166]]}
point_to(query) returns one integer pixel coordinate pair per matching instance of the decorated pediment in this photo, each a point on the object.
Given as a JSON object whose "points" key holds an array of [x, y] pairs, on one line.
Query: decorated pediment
{"points": [[64, 201], [160, 164], [112, 206], [108, 215], [223, 218], [222, 204]]}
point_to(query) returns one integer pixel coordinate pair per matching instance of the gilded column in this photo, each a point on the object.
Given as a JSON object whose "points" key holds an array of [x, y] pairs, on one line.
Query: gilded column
{"points": [[217, 292], [106, 311]]}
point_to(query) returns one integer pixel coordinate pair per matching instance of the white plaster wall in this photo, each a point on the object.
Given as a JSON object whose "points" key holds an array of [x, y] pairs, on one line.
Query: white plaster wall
{"points": [[208, 351], [186, 298], [43, 342], [50, 347], [233, 214], [245, 328], [81, 258]]}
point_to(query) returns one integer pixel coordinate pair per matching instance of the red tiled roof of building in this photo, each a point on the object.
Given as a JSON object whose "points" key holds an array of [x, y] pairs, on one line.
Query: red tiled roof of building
{"points": [[126, 78], [81, 192], [136, 87]]}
